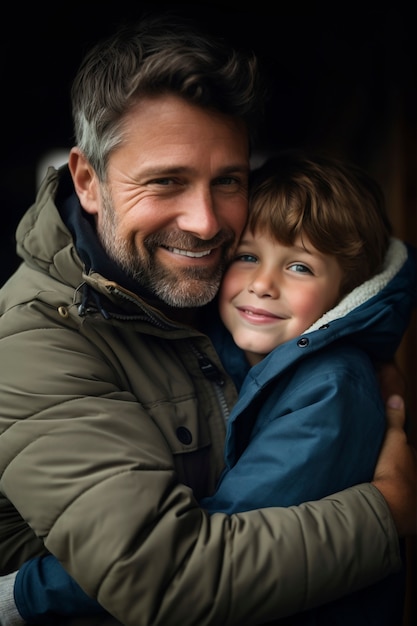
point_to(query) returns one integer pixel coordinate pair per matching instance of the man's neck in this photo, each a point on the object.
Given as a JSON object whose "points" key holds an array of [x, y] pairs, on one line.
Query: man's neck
{"points": [[182, 315]]}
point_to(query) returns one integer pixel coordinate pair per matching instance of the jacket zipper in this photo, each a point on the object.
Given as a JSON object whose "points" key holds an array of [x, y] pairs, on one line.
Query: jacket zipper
{"points": [[209, 369], [214, 375]]}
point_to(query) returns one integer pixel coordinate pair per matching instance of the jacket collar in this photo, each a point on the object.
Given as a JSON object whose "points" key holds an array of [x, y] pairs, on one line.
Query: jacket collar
{"points": [[87, 243]]}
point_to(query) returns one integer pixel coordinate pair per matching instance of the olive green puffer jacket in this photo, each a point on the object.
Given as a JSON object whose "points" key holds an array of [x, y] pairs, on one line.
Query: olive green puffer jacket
{"points": [[112, 423]]}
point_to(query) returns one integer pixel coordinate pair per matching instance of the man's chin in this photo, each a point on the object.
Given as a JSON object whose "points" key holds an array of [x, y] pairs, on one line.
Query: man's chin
{"points": [[188, 293]]}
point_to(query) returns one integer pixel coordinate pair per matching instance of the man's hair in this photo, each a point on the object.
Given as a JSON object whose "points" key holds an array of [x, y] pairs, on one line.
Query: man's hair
{"points": [[337, 205], [160, 54]]}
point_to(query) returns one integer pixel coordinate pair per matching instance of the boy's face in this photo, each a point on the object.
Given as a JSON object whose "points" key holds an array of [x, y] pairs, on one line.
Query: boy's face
{"points": [[272, 293]]}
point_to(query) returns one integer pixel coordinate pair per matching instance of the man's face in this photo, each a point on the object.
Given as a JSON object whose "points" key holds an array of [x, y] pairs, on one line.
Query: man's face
{"points": [[175, 201]]}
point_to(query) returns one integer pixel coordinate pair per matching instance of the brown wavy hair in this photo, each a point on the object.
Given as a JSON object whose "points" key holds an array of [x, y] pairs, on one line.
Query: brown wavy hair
{"points": [[337, 205]]}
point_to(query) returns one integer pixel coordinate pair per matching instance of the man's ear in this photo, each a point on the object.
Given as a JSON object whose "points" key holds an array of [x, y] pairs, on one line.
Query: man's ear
{"points": [[85, 181]]}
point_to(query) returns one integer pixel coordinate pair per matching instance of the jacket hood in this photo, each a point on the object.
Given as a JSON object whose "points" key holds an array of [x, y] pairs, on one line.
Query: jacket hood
{"points": [[376, 314]]}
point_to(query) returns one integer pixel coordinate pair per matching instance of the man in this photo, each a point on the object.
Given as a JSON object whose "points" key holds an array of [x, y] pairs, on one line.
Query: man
{"points": [[113, 399]]}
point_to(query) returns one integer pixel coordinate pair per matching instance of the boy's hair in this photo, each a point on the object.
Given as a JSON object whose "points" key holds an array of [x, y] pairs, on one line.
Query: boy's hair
{"points": [[160, 54], [338, 206]]}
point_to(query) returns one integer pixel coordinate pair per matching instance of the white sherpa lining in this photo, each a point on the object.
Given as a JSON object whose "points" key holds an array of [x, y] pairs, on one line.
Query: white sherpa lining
{"points": [[394, 260]]}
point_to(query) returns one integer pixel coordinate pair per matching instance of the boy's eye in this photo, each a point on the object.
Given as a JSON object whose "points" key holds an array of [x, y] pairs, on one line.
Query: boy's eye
{"points": [[246, 258], [300, 268]]}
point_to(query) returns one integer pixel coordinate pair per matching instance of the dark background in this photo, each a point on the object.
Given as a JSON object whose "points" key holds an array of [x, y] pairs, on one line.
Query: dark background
{"points": [[344, 82]]}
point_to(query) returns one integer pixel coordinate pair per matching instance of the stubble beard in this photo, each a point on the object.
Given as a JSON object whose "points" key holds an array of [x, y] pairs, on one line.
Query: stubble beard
{"points": [[180, 288]]}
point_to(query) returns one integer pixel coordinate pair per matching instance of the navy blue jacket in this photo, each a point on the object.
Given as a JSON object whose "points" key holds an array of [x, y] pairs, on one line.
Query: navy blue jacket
{"points": [[310, 419]]}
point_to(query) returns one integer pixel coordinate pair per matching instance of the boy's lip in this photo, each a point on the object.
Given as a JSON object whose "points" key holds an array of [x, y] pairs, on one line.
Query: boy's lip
{"points": [[256, 315]]}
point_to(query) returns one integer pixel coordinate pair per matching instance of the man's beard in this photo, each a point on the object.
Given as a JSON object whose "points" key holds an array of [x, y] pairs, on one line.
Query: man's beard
{"points": [[181, 288]]}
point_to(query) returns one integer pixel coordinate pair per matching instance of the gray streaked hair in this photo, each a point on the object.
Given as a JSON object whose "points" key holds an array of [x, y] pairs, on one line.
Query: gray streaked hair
{"points": [[159, 55]]}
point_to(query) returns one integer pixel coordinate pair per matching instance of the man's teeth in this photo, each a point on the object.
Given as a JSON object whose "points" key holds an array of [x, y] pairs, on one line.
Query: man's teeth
{"points": [[195, 255]]}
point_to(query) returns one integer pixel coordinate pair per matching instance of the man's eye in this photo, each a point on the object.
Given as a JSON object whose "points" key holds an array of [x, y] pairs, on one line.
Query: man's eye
{"points": [[300, 268], [227, 180], [161, 181]]}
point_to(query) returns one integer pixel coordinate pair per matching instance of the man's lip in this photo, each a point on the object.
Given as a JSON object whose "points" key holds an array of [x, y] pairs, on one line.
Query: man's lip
{"points": [[183, 257], [192, 254]]}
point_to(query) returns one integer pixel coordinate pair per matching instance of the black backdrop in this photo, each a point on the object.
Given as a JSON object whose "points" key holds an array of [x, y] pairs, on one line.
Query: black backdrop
{"points": [[339, 80]]}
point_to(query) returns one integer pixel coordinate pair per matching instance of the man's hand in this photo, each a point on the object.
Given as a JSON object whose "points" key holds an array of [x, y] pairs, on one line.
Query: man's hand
{"points": [[396, 470], [391, 380]]}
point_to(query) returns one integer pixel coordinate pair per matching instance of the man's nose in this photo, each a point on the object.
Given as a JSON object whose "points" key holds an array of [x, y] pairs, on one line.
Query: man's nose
{"points": [[199, 216]]}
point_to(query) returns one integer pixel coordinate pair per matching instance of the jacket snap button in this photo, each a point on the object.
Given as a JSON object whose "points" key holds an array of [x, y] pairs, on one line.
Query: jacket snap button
{"points": [[303, 342], [184, 435]]}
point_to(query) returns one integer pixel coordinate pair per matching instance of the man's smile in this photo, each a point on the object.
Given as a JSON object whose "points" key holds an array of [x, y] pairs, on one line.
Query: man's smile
{"points": [[189, 253]]}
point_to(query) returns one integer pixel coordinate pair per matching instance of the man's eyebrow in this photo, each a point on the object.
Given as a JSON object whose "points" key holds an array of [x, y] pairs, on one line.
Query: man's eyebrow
{"points": [[166, 170]]}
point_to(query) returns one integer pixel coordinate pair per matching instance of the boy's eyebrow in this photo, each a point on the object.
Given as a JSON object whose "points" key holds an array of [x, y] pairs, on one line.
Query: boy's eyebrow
{"points": [[246, 242], [296, 247]]}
